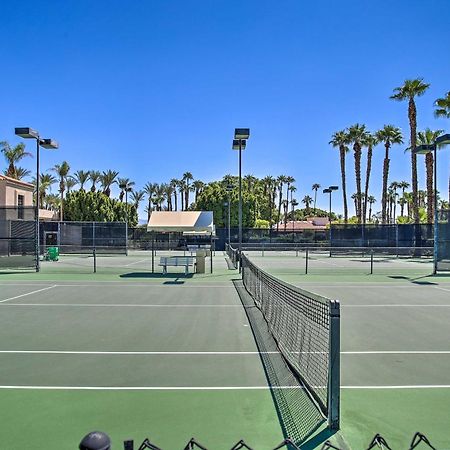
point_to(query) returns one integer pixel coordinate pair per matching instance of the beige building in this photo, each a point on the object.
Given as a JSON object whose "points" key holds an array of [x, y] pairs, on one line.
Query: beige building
{"points": [[16, 194]]}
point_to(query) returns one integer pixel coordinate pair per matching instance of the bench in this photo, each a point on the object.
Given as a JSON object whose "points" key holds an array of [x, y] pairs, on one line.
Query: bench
{"points": [[194, 247], [176, 261]]}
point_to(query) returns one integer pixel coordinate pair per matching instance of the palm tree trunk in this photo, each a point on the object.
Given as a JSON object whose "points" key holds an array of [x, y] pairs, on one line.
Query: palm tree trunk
{"points": [[344, 187], [368, 170], [430, 194], [412, 115], [385, 183], [315, 199], [175, 197], [357, 155], [370, 211], [395, 206], [182, 199], [280, 199]]}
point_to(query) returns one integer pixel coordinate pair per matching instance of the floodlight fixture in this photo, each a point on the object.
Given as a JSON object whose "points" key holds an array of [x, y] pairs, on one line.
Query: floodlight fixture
{"points": [[49, 144], [423, 149], [333, 188], [327, 191], [241, 133], [443, 140], [239, 144], [26, 133]]}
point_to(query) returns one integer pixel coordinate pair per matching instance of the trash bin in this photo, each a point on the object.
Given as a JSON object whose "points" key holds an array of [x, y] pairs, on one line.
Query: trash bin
{"points": [[200, 261], [53, 254]]}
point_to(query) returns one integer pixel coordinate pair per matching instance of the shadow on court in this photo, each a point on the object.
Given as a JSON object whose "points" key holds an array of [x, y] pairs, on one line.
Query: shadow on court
{"points": [[176, 277]]}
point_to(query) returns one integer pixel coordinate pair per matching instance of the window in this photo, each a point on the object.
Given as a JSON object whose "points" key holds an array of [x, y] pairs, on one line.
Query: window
{"points": [[20, 205]]}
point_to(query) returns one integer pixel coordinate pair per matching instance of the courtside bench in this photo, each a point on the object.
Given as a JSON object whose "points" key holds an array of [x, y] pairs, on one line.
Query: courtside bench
{"points": [[176, 261]]}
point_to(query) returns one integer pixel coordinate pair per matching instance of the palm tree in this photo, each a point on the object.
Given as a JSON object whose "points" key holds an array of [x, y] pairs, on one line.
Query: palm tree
{"points": [[70, 183], [62, 171], [389, 135], [45, 182], [443, 106], [339, 140], [408, 91], [107, 179], [187, 177], [315, 188], [307, 200], [393, 188], [94, 176], [198, 187], [21, 173], [125, 186], [428, 137], [81, 177], [149, 190], [402, 202], [357, 135], [13, 155], [280, 183], [181, 187], [174, 183], [137, 197], [370, 141], [371, 200], [403, 185]]}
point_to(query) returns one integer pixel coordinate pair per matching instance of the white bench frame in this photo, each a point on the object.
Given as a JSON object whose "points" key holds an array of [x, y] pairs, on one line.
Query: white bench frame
{"points": [[176, 261]]}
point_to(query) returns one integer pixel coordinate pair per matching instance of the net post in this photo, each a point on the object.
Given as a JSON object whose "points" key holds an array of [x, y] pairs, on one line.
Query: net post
{"points": [[334, 366], [94, 254], [306, 261], [371, 261]]}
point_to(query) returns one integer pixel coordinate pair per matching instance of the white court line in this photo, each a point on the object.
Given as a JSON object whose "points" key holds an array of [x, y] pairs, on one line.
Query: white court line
{"points": [[112, 305], [393, 305], [127, 284], [136, 262], [208, 388], [442, 289], [28, 293]]}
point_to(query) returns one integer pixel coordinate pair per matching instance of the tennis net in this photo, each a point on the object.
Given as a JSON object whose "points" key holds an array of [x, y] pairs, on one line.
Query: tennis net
{"points": [[233, 254], [305, 327]]}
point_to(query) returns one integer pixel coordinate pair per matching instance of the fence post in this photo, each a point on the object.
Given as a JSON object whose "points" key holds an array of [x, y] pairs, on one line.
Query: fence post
{"points": [[95, 260], [306, 261], [334, 366], [371, 261]]}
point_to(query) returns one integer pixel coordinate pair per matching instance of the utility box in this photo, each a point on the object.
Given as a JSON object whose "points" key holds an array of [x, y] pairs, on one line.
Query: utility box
{"points": [[200, 261]]}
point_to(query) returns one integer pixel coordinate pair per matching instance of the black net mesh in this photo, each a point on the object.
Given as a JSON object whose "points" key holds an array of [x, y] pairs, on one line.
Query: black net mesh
{"points": [[443, 250]]}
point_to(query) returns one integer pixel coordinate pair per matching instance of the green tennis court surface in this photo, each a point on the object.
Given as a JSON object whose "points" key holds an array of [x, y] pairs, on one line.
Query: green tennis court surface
{"points": [[140, 355]]}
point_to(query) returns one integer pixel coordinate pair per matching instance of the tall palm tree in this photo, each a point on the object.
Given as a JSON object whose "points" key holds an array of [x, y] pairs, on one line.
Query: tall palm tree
{"points": [[94, 176], [46, 181], [280, 183], [62, 171], [13, 155], [371, 200], [389, 135], [125, 186], [174, 183], [408, 91], [428, 137], [70, 183], [149, 190], [370, 141], [402, 202], [393, 188], [187, 178], [137, 197], [315, 188], [181, 188], [268, 184], [339, 140], [198, 186], [107, 179], [403, 185], [81, 177], [357, 135], [443, 106]]}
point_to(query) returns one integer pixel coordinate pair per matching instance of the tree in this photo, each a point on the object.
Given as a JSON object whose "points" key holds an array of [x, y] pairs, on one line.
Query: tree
{"points": [[198, 186], [371, 200], [443, 106], [62, 171], [137, 197], [81, 177], [149, 190], [187, 177], [21, 173], [393, 189], [307, 200], [428, 137], [357, 135], [389, 135], [13, 155], [125, 186], [370, 141], [70, 183], [45, 182], [315, 188], [280, 183], [339, 140], [174, 183], [94, 176], [107, 179], [408, 91]]}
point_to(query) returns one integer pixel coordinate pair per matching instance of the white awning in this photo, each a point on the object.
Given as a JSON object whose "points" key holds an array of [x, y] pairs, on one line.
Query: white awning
{"points": [[181, 221]]}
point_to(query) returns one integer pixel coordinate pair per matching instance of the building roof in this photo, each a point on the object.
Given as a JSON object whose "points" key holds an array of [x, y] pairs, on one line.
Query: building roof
{"points": [[181, 221], [300, 225], [14, 181]]}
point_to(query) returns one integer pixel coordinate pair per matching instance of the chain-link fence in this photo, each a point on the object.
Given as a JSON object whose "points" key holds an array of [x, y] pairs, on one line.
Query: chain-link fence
{"points": [[17, 238], [443, 250]]}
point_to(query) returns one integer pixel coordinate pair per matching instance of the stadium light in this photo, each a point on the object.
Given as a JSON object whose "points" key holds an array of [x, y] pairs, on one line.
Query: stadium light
{"points": [[423, 149], [29, 133], [329, 190], [239, 143]]}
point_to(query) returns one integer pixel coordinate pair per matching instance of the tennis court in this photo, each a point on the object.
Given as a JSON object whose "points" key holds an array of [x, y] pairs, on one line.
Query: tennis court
{"points": [[141, 355]]}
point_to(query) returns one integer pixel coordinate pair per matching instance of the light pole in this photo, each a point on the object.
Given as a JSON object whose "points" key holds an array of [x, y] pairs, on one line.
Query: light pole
{"points": [[422, 150], [230, 187], [29, 133], [126, 187], [330, 190], [239, 143]]}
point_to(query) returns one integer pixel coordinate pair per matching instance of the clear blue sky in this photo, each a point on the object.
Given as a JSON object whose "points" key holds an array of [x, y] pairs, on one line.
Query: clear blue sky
{"points": [[155, 88]]}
